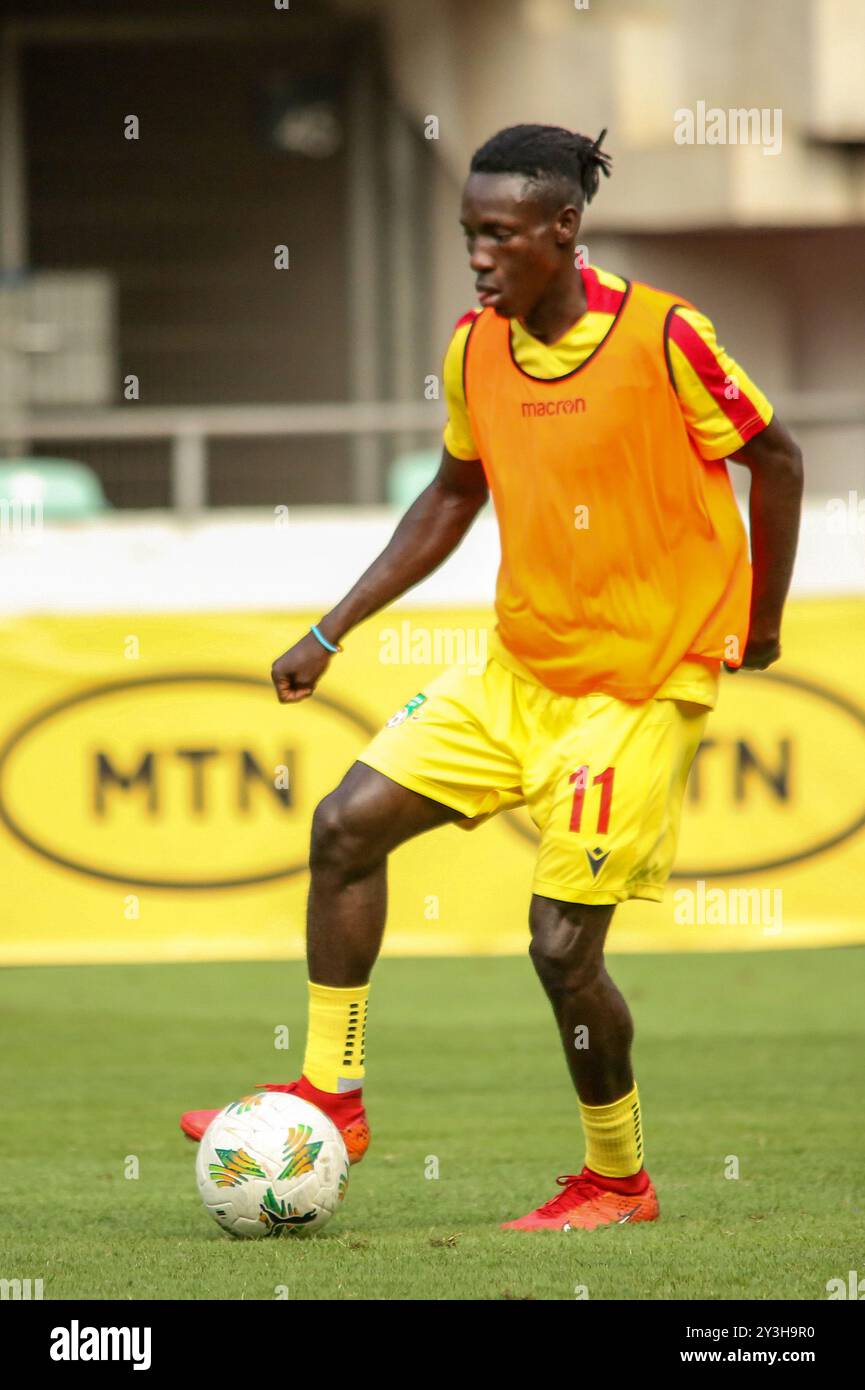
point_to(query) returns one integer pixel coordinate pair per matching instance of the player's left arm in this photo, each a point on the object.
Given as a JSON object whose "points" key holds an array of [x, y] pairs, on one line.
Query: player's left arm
{"points": [[777, 478], [728, 417]]}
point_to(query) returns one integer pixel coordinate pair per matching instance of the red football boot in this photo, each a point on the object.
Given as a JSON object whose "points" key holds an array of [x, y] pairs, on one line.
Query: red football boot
{"points": [[345, 1110], [584, 1204]]}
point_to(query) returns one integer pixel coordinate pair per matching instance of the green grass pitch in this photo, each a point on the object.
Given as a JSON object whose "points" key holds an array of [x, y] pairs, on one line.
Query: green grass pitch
{"points": [[757, 1056]]}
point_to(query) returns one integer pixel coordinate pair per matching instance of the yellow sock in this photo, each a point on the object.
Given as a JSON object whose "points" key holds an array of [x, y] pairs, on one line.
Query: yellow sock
{"points": [[614, 1136], [336, 1037]]}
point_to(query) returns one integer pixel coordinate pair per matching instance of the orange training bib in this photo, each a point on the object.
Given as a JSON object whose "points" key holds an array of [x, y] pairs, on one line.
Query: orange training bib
{"points": [[623, 551]]}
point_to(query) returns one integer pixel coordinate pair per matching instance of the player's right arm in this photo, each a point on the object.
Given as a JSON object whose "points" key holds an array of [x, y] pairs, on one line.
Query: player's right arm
{"points": [[428, 533]]}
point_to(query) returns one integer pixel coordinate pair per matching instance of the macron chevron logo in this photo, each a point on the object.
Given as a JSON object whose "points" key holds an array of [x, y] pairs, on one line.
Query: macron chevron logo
{"points": [[597, 859]]}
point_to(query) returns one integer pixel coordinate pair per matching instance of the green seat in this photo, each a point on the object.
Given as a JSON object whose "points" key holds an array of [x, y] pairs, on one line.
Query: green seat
{"points": [[66, 490], [410, 474]]}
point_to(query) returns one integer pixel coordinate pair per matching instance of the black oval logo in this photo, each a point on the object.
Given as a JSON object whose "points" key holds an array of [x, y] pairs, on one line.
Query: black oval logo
{"points": [[781, 756], [183, 780]]}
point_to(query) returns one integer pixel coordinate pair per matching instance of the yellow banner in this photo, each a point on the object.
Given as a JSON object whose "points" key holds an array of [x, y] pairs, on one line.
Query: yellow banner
{"points": [[155, 798]]}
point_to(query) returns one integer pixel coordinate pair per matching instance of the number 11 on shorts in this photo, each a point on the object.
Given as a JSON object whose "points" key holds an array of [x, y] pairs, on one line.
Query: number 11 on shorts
{"points": [[604, 779]]}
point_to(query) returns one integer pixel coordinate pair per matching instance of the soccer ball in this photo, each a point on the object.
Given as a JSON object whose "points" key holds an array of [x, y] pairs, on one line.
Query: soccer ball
{"points": [[271, 1163]]}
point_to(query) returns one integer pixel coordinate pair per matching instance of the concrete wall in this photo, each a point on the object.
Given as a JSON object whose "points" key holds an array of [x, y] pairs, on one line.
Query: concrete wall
{"points": [[186, 219], [771, 246], [631, 66]]}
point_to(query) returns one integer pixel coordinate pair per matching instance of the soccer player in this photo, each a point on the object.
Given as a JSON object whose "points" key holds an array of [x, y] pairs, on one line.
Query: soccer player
{"points": [[599, 413]]}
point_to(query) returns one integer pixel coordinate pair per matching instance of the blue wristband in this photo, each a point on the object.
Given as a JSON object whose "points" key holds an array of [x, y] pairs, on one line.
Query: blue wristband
{"points": [[323, 640]]}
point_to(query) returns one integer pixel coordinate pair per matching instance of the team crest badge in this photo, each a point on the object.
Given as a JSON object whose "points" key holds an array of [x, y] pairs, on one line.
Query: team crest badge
{"points": [[408, 711]]}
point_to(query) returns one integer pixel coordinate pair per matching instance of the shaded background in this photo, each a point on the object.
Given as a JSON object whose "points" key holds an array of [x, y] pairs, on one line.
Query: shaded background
{"points": [[311, 127]]}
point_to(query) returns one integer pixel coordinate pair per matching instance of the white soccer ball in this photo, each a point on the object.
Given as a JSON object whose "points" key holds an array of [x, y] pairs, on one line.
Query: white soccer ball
{"points": [[271, 1163]]}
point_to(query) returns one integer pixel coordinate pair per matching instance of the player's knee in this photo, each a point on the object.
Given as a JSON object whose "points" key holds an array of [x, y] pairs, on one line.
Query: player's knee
{"points": [[328, 840], [563, 951], [338, 842], [550, 960]]}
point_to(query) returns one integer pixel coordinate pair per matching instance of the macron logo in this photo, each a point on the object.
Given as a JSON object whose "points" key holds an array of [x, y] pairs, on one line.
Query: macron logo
{"points": [[78, 1343], [576, 405]]}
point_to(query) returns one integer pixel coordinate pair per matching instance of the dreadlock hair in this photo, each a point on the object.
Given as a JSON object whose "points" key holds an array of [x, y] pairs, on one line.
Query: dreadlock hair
{"points": [[559, 162]]}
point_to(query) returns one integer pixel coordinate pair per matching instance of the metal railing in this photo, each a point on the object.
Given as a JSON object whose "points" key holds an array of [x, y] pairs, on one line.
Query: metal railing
{"points": [[189, 429]]}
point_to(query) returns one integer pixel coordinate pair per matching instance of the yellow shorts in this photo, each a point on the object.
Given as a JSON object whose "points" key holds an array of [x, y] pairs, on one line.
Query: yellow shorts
{"points": [[602, 779]]}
